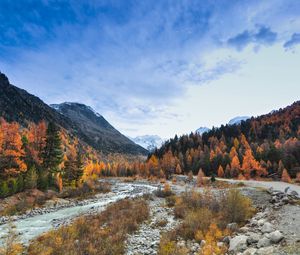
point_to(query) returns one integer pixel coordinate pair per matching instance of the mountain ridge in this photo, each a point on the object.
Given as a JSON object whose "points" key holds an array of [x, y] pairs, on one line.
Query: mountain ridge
{"points": [[18, 105]]}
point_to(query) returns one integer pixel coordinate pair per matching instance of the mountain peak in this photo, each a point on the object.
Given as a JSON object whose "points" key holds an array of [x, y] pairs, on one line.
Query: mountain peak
{"points": [[202, 130], [149, 142], [3, 79], [82, 121], [75, 105], [237, 120]]}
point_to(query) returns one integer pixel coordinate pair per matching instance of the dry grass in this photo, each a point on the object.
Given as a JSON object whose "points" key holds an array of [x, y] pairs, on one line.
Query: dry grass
{"points": [[205, 217], [165, 192], [102, 234], [86, 190]]}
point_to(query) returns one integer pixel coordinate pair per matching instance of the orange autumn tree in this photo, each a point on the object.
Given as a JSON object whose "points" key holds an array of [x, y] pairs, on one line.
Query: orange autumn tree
{"points": [[251, 167], [178, 169], [235, 166], [200, 178], [11, 162], [220, 172], [36, 141], [285, 176], [153, 165]]}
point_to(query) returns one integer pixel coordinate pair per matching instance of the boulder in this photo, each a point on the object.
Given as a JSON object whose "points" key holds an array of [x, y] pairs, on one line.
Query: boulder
{"points": [[226, 239], [261, 222], [244, 230], [238, 243], [267, 228], [250, 251], [265, 251], [263, 242], [253, 238], [276, 236], [233, 226]]}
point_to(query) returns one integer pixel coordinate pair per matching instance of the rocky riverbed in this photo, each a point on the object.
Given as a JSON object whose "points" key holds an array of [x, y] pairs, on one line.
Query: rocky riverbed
{"points": [[146, 239], [38, 221], [275, 229]]}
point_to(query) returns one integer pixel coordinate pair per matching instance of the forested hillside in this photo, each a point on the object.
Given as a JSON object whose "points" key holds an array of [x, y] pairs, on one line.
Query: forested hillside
{"points": [[268, 145], [45, 156], [79, 120]]}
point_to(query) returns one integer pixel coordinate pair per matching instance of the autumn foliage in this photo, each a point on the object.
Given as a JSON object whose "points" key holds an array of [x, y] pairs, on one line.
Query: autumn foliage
{"points": [[257, 148]]}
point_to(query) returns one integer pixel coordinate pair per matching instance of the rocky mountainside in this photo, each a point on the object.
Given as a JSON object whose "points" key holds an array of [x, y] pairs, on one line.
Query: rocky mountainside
{"points": [[18, 105], [97, 131]]}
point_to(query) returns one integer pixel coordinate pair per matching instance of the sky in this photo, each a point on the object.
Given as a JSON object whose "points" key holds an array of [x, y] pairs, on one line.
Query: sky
{"points": [[155, 67]]}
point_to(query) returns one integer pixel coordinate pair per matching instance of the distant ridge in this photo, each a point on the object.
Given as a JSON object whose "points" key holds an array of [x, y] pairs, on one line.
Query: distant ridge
{"points": [[90, 127]]}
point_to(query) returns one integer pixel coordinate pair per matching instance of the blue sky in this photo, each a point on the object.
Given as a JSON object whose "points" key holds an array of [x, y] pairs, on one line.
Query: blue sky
{"points": [[156, 67]]}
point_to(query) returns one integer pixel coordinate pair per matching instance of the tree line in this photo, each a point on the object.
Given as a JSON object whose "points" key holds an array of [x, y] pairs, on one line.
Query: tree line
{"points": [[267, 146], [40, 156]]}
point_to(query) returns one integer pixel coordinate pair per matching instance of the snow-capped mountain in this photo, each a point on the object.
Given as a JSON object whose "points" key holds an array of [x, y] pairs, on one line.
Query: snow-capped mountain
{"points": [[238, 120], [202, 130], [149, 142]]}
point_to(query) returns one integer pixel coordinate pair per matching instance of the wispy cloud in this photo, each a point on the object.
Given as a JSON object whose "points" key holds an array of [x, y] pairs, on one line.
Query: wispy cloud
{"points": [[131, 60], [263, 36], [294, 40]]}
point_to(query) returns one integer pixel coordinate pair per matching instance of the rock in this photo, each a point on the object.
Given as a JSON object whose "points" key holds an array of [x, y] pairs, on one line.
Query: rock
{"points": [[267, 228], [238, 243], [202, 243], [285, 200], [232, 226], [50, 203], [253, 222], [261, 222], [181, 244], [253, 238], [244, 230], [264, 242], [226, 239], [250, 251], [294, 193], [220, 244], [265, 251], [276, 236]]}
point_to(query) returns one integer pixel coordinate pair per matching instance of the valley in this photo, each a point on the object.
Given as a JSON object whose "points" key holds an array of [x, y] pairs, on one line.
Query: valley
{"points": [[149, 127], [147, 238]]}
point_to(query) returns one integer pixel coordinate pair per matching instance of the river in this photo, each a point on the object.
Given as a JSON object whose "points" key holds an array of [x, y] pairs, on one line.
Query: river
{"points": [[32, 227]]}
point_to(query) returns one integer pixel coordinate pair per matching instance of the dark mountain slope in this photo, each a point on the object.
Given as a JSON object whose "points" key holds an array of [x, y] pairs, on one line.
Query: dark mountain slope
{"points": [[18, 105], [98, 131]]}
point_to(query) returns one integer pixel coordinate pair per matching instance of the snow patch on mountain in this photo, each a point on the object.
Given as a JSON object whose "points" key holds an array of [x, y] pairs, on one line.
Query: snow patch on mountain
{"points": [[202, 130], [149, 142], [238, 120]]}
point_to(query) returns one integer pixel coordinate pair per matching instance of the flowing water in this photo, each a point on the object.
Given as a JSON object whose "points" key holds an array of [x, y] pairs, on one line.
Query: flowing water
{"points": [[31, 227]]}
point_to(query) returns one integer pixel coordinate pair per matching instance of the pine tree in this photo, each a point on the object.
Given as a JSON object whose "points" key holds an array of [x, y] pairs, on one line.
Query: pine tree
{"points": [[31, 178], [80, 167], [52, 155], [4, 191]]}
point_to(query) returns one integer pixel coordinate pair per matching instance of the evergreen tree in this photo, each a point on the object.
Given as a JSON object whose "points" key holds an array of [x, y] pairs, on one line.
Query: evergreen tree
{"points": [[79, 165], [20, 183], [52, 155], [31, 178], [4, 191]]}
